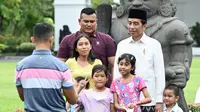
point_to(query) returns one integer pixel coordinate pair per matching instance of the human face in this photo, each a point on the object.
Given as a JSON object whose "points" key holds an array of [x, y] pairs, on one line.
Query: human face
{"points": [[88, 23], [151, 6], [169, 98], [83, 46], [99, 79], [124, 67], [136, 28]]}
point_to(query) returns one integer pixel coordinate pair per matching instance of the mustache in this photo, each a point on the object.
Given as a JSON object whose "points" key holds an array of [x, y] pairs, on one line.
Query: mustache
{"points": [[143, 7]]}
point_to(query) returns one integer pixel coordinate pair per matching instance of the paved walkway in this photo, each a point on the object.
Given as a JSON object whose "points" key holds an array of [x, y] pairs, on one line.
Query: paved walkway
{"points": [[11, 58]]}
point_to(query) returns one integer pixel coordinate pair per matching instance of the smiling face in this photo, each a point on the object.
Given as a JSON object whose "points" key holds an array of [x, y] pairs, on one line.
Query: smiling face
{"points": [[83, 46], [125, 67], [169, 98], [151, 6], [99, 79]]}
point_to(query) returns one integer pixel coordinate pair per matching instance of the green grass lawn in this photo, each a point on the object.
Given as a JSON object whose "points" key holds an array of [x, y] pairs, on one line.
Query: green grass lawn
{"points": [[9, 100], [194, 83]]}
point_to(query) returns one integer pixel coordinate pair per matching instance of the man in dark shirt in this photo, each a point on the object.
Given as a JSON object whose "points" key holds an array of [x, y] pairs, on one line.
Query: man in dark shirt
{"points": [[103, 45]]}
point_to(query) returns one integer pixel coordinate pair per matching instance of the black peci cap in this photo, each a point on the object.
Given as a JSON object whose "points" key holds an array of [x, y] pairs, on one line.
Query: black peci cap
{"points": [[137, 13]]}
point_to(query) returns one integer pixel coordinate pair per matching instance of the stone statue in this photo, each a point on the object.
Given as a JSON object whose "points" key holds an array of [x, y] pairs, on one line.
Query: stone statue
{"points": [[172, 33]]}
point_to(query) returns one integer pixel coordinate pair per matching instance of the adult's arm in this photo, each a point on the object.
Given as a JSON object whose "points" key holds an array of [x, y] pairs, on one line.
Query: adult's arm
{"points": [[20, 93], [159, 72], [110, 52], [70, 95], [68, 88], [63, 52], [111, 61]]}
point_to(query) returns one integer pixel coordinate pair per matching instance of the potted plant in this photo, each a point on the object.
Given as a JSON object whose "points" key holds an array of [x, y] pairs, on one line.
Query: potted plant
{"points": [[195, 33]]}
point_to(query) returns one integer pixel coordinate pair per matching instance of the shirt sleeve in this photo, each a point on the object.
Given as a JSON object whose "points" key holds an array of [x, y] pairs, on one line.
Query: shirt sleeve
{"points": [[63, 48], [112, 87], [116, 71], [111, 98], [98, 62], [159, 72], [110, 46], [141, 83], [18, 74], [68, 62], [67, 79], [17, 79]]}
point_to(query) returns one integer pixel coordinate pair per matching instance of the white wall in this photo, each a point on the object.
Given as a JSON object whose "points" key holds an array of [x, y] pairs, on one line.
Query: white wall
{"points": [[67, 12]]}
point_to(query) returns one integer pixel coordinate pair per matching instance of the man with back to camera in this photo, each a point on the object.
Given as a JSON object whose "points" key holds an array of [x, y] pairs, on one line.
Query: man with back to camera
{"points": [[40, 77], [148, 52]]}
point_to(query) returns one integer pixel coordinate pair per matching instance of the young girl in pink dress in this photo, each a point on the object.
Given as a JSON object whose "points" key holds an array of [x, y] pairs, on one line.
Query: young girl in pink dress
{"points": [[99, 98], [127, 88]]}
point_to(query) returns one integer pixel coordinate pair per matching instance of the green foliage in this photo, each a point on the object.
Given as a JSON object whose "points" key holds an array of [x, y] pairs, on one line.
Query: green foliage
{"points": [[194, 107], [19, 16], [11, 42], [3, 48], [195, 30], [49, 20], [95, 3], [26, 48]]}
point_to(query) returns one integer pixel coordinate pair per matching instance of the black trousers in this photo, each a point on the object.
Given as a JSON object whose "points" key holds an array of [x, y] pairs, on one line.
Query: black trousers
{"points": [[148, 108]]}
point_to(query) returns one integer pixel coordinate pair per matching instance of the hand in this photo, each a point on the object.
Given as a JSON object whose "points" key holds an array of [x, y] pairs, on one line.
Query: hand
{"points": [[131, 105], [83, 83], [79, 107], [159, 107], [176, 74], [122, 109]]}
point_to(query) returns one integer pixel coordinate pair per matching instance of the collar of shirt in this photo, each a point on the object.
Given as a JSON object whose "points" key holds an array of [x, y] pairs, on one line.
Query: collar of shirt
{"points": [[143, 39], [91, 35], [41, 52], [173, 108]]}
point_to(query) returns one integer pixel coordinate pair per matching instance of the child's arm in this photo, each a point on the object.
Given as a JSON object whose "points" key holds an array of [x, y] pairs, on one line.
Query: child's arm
{"points": [[67, 105], [147, 98], [112, 107], [82, 84], [116, 104]]}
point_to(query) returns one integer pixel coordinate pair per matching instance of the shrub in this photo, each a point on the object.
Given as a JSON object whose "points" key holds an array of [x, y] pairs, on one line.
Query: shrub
{"points": [[195, 32], [26, 47], [11, 43], [194, 107], [4, 48]]}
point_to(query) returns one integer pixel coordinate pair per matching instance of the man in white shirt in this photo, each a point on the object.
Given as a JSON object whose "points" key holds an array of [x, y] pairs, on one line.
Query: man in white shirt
{"points": [[149, 56]]}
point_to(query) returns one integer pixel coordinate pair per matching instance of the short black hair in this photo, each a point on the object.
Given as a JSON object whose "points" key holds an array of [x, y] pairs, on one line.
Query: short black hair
{"points": [[91, 57], [129, 58], [87, 11], [98, 68], [79, 78], [174, 88], [42, 31], [143, 21]]}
